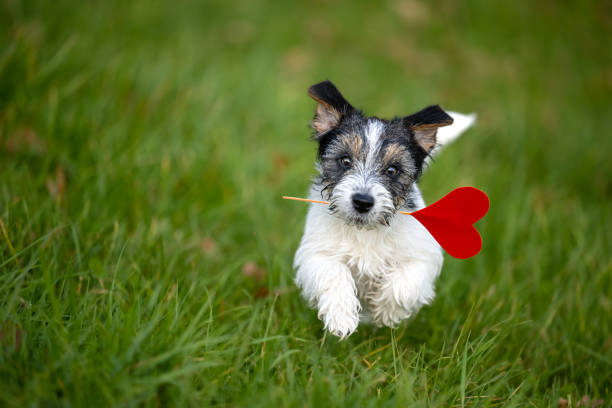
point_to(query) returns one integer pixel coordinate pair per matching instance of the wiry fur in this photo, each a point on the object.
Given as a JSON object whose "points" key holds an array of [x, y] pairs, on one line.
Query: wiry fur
{"points": [[371, 266]]}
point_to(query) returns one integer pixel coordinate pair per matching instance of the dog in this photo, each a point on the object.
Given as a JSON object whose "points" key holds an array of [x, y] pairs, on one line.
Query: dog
{"points": [[357, 261]]}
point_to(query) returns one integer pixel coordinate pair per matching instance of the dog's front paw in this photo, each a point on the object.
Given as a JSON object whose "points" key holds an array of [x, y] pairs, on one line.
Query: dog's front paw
{"points": [[340, 315], [389, 314], [341, 324], [401, 297]]}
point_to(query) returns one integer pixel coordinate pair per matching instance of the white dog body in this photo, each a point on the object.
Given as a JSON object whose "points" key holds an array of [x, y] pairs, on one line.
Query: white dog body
{"points": [[359, 260], [390, 270]]}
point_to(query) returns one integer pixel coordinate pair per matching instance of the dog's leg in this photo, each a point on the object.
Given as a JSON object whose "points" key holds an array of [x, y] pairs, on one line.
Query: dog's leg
{"points": [[328, 285], [403, 292]]}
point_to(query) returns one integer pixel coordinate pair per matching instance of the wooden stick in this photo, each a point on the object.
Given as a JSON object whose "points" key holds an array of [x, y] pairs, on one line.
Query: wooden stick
{"points": [[305, 200], [324, 202]]}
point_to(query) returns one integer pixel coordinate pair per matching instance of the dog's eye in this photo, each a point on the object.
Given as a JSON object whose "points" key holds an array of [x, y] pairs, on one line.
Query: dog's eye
{"points": [[392, 171], [345, 162]]}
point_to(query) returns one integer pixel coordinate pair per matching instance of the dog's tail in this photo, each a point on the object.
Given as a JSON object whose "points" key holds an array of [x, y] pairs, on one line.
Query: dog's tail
{"points": [[448, 134]]}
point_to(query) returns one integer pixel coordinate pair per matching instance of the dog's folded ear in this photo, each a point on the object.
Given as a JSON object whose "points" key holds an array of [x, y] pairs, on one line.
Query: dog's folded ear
{"points": [[331, 106], [425, 123]]}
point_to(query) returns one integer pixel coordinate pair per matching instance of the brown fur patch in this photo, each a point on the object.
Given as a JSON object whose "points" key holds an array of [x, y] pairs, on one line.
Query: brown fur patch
{"points": [[325, 118], [425, 135], [353, 144], [393, 153]]}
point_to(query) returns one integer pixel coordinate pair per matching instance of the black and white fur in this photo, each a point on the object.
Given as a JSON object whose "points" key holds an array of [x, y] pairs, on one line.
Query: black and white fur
{"points": [[357, 259]]}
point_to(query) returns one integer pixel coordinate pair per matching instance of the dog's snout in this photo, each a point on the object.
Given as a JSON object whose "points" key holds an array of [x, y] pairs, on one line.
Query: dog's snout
{"points": [[363, 202]]}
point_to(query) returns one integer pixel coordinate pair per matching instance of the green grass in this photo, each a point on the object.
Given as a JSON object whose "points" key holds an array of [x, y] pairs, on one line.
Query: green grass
{"points": [[144, 148]]}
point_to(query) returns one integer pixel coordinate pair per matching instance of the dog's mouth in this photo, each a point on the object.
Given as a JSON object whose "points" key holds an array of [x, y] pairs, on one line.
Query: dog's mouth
{"points": [[368, 220]]}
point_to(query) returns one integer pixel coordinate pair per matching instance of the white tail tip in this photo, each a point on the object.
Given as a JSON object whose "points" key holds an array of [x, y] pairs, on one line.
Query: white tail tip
{"points": [[461, 122]]}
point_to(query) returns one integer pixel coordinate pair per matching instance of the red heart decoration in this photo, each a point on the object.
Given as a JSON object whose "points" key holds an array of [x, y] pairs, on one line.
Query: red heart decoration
{"points": [[450, 220]]}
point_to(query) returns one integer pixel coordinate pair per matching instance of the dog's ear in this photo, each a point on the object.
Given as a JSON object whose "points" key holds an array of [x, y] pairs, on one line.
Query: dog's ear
{"points": [[425, 123], [331, 106]]}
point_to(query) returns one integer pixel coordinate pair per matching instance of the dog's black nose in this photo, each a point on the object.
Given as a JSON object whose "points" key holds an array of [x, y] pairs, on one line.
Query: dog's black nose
{"points": [[363, 202]]}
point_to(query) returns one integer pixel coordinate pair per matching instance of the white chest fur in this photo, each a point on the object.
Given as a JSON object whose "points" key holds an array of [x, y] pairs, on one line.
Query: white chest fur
{"points": [[387, 272]]}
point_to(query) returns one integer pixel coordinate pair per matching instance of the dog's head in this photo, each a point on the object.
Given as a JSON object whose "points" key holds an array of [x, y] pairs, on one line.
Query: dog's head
{"points": [[368, 165]]}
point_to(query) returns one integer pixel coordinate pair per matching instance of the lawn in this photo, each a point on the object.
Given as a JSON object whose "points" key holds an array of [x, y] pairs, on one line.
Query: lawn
{"points": [[145, 253]]}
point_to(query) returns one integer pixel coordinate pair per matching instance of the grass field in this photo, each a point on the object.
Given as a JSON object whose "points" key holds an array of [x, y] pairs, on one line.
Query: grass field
{"points": [[145, 253]]}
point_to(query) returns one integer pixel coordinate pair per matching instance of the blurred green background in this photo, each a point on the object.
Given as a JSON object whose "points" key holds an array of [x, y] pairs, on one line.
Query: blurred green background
{"points": [[145, 253]]}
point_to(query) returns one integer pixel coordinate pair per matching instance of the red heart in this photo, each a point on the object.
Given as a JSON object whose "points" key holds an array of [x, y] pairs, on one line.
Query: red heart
{"points": [[450, 220]]}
